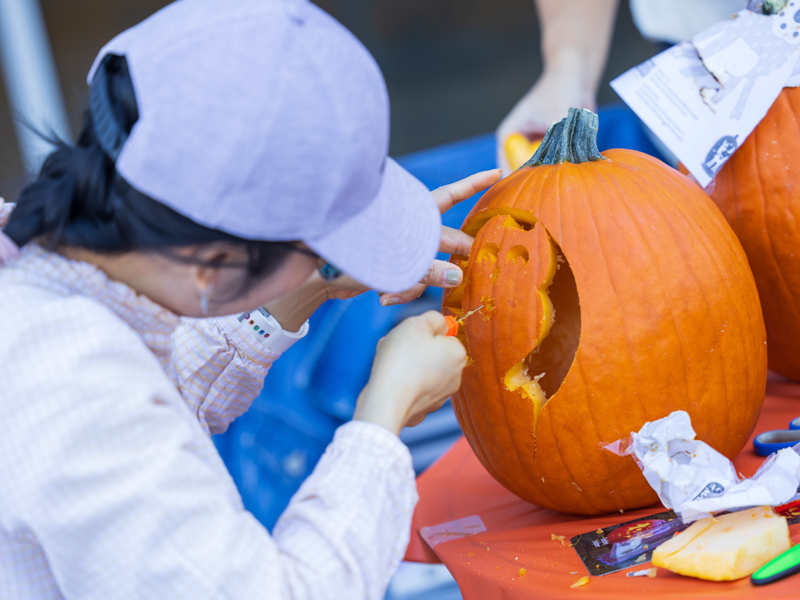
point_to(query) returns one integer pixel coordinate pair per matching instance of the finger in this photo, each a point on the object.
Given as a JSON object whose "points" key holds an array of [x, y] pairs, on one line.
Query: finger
{"points": [[443, 274], [431, 409], [449, 195], [434, 322], [404, 297], [459, 356], [502, 162], [455, 241], [416, 420], [346, 283], [419, 418]]}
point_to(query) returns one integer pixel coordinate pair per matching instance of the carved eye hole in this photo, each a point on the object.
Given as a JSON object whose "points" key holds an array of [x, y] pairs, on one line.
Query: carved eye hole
{"points": [[517, 255], [488, 253]]}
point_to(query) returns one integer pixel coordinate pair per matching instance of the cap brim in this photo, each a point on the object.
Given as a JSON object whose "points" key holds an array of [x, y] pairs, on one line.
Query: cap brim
{"points": [[388, 246]]}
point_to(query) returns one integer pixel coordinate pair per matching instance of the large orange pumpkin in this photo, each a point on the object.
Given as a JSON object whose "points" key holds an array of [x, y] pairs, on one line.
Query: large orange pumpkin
{"points": [[758, 191], [613, 293]]}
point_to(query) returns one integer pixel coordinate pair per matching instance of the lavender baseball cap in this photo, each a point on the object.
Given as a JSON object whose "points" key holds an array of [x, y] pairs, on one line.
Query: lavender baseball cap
{"points": [[268, 120]]}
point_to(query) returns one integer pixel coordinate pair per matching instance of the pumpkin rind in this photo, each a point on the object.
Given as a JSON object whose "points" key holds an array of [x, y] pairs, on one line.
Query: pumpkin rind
{"points": [[758, 191], [662, 315]]}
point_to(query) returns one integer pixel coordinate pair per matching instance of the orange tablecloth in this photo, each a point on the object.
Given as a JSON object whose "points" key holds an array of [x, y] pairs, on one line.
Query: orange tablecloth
{"points": [[487, 565]]}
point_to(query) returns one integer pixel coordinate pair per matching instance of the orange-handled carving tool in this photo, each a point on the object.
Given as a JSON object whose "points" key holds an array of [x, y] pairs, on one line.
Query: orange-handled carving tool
{"points": [[453, 323]]}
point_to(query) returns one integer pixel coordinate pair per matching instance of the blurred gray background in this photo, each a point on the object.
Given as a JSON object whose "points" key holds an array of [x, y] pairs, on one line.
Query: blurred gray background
{"points": [[454, 68]]}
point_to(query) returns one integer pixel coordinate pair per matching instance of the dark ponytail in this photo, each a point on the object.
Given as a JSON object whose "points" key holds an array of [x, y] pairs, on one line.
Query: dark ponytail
{"points": [[79, 199]]}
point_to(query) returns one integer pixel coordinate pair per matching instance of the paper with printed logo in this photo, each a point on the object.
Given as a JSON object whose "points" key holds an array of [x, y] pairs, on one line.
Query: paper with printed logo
{"points": [[703, 98], [695, 480]]}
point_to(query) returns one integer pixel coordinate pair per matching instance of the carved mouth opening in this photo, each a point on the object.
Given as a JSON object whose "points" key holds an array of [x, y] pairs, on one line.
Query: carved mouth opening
{"points": [[541, 372], [544, 365]]}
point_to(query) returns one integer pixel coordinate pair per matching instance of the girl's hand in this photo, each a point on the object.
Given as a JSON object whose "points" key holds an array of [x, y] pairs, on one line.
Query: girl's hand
{"points": [[416, 368], [454, 241], [293, 309]]}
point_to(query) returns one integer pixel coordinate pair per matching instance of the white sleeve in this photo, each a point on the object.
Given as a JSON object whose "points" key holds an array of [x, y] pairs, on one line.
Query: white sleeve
{"points": [[105, 469], [219, 369]]}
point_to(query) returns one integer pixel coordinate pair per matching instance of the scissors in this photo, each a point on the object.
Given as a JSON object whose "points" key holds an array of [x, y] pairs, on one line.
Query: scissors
{"points": [[771, 441]]}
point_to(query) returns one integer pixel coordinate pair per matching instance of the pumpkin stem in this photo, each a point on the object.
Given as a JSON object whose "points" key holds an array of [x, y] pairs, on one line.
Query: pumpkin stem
{"points": [[573, 139], [770, 7]]}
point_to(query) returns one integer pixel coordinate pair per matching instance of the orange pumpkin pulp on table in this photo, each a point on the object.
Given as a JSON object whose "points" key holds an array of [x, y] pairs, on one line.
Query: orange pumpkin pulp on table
{"points": [[614, 293]]}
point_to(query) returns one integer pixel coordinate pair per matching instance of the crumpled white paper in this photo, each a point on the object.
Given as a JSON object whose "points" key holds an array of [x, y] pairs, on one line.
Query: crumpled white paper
{"points": [[694, 480]]}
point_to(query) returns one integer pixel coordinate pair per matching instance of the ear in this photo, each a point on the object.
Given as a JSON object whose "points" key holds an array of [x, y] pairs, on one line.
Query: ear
{"points": [[207, 260]]}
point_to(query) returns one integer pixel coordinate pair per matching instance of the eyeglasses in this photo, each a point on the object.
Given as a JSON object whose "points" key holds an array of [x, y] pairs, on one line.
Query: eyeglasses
{"points": [[326, 270]]}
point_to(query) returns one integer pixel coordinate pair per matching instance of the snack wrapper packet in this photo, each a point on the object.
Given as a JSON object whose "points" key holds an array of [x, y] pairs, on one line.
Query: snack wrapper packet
{"points": [[694, 480]]}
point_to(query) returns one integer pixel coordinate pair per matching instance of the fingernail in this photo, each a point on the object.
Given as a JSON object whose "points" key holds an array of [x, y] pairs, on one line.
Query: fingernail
{"points": [[389, 301], [452, 276]]}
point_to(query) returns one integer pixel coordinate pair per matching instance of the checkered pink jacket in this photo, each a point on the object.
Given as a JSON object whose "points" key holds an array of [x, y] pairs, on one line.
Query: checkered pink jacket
{"points": [[110, 486]]}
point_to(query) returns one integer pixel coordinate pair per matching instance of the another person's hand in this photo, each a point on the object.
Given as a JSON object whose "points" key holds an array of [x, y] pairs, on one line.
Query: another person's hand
{"points": [[575, 37], [416, 368], [547, 102]]}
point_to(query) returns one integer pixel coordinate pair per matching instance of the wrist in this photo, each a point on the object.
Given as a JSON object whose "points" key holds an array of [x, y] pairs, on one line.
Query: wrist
{"points": [[294, 309], [575, 62], [567, 74], [380, 409]]}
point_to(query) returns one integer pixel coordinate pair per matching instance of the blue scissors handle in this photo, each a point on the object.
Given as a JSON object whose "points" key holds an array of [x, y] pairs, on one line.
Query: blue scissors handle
{"points": [[771, 441]]}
